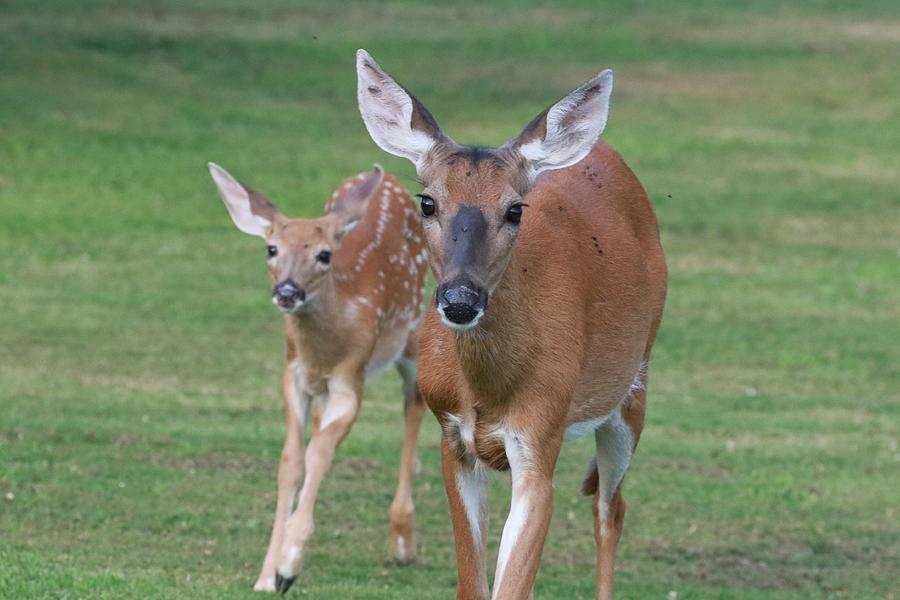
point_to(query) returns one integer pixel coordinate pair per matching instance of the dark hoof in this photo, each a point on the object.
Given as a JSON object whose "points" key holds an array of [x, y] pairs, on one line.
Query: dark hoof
{"points": [[282, 585]]}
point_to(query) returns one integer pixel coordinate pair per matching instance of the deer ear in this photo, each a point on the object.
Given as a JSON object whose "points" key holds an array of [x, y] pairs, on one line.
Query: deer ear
{"points": [[250, 210], [396, 120], [351, 208], [564, 133]]}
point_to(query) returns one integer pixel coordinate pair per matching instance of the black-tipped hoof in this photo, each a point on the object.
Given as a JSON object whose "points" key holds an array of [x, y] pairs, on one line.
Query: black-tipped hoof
{"points": [[282, 585]]}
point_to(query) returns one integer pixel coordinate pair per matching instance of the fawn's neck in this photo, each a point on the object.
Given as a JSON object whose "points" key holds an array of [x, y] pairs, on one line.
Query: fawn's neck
{"points": [[318, 320]]}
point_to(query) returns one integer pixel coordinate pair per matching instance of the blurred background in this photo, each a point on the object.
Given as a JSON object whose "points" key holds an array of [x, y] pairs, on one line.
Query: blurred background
{"points": [[140, 358]]}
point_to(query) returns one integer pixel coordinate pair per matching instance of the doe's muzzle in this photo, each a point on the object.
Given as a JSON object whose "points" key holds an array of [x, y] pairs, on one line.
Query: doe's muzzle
{"points": [[460, 305]]}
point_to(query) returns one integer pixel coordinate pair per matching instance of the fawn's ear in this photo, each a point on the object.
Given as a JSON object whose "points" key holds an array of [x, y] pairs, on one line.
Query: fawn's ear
{"points": [[564, 133], [396, 120], [250, 210], [351, 208]]}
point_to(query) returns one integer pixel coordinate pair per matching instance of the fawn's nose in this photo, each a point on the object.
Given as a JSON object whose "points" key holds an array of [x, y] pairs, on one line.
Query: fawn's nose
{"points": [[287, 293], [461, 305]]}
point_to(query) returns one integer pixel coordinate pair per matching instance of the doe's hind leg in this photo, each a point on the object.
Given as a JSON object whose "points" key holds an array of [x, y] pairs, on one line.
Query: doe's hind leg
{"points": [[616, 440]]}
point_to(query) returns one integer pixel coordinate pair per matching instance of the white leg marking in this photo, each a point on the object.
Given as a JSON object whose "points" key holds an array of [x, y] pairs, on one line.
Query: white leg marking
{"points": [[341, 403], [466, 429], [581, 428], [301, 399], [515, 524], [517, 454], [297, 392], [287, 569], [614, 449], [467, 434], [471, 484]]}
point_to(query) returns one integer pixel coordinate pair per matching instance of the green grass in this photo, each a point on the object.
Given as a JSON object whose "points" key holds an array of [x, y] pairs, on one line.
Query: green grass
{"points": [[140, 413]]}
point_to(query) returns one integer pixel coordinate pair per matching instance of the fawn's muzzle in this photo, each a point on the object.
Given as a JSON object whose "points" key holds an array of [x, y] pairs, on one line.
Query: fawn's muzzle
{"points": [[288, 294]]}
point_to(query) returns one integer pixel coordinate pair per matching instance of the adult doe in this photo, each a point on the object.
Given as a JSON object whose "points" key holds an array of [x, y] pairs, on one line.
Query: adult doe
{"points": [[551, 285], [350, 286]]}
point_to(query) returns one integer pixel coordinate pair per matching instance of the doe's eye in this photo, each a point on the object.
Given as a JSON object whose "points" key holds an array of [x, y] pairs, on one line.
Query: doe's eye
{"points": [[324, 257], [429, 206], [514, 214], [271, 251]]}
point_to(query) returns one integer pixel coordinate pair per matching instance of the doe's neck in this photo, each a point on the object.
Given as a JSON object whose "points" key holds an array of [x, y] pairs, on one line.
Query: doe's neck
{"points": [[497, 354]]}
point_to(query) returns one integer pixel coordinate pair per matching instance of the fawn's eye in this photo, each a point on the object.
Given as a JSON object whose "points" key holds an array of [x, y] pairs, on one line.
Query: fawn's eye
{"points": [[514, 214], [429, 206], [324, 257], [271, 251]]}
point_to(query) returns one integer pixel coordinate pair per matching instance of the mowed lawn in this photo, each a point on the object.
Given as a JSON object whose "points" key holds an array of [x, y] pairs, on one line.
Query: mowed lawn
{"points": [[140, 409]]}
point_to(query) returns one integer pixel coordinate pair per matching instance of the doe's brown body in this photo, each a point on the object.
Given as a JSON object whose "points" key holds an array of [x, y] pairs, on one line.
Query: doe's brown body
{"points": [[569, 326], [551, 283]]}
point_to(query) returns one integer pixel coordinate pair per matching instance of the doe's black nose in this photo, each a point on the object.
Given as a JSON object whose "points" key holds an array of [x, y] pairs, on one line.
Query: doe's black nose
{"points": [[461, 304]]}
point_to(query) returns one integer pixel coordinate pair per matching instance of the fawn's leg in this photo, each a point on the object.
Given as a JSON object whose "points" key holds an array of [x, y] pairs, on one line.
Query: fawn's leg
{"points": [[290, 470], [403, 517], [340, 412]]}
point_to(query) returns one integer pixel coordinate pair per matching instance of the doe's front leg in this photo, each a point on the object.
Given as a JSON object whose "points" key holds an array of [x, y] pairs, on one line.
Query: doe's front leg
{"points": [[466, 485], [529, 517], [340, 412]]}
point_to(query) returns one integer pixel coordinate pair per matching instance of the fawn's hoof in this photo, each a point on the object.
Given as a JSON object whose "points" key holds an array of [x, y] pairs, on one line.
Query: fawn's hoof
{"points": [[282, 584], [404, 548]]}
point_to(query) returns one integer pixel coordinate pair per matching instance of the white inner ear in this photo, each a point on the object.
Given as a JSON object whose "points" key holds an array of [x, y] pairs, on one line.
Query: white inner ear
{"points": [[237, 201], [346, 228], [573, 126], [387, 111]]}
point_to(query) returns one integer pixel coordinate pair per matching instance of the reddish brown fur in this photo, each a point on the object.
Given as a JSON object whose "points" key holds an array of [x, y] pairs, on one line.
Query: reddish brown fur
{"points": [[589, 351], [551, 285], [572, 317]]}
